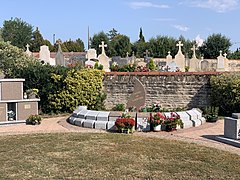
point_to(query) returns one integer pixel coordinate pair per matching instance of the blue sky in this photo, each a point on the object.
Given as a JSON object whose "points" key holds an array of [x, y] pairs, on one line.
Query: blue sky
{"points": [[70, 19]]}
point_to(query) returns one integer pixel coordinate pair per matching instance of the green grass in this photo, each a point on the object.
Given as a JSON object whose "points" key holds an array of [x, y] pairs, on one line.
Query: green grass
{"points": [[111, 156]]}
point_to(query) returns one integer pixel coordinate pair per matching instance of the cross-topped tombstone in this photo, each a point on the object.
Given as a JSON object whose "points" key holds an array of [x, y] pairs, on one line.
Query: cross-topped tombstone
{"points": [[29, 53], [179, 46], [127, 55], [225, 55], [194, 52], [169, 57], [103, 46], [220, 62]]}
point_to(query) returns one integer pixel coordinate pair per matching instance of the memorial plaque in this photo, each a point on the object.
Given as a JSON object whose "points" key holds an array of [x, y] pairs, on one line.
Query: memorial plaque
{"points": [[138, 97]]}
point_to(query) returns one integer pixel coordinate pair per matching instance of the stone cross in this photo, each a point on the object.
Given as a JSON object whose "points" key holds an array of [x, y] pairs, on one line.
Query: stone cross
{"points": [[169, 53], [133, 54], [179, 46], [220, 53], [27, 47], [146, 53], [102, 46], [127, 54], [194, 51], [225, 55]]}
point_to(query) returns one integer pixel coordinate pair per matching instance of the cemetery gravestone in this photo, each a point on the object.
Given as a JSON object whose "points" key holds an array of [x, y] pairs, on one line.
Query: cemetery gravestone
{"points": [[138, 97]]}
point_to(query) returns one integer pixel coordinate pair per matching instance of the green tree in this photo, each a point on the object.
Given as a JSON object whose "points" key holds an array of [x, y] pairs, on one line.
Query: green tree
{"points": [[97, 40], [234, 55], [1, 39], [37, 41], [47, 43], [160, 46], [120, 45], [141, 37], [63, 47], [139, 48], [74, 46], [112, 34], [18, 32], [213, 44], [11, 58]]}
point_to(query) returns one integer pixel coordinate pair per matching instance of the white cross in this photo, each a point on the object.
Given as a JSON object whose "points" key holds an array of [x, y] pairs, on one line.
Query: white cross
{"points": [[102, 46], [194, 51], [169, 53], [127, 54], [220, 53], [133, 54], [27, 47], [225, 55], [179, 46]]}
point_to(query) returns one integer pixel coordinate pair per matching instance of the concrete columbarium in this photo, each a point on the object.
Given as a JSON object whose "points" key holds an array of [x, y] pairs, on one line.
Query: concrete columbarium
{"points": [[14, 106]]}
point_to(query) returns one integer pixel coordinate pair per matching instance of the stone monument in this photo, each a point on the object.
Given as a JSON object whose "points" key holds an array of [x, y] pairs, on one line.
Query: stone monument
{"points": [[44, 55], [28, 52], [194, 62], [59, 56], [180, 58], [103, 58]]}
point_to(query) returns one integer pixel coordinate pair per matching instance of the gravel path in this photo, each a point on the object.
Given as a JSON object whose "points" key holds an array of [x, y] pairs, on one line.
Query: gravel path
{"points": [[203, 135]]}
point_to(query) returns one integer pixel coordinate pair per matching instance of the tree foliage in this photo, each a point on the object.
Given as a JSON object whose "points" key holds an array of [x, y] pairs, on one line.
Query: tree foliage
{"points": [[97, 40], [214, 44], [12, 57], [141, 37], [120, 45], [37, 41], [112, 34], [225, 93], [18, 32], [74, 46]]}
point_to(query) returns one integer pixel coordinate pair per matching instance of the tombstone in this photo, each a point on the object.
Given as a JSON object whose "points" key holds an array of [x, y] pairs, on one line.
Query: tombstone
{"points": [[180, 58], [204, 65], [28, 52], [44, 55], [91, 54], [172, 66], [120, 61], [138, 97], [169, 57], [194, 62], [103, 59], [142, 122], [220, 62], [59, 56], [187, 123], [89, 63], [232, 126], [194, 118]]}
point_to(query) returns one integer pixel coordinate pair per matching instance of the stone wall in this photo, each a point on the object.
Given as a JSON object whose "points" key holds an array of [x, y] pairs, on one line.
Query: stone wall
{"points": [[171, 90]]}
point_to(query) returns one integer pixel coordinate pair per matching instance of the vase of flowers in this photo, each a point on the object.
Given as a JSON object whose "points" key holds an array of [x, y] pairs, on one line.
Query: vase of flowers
{"points": [[172, 122], [125, 124], [156, 120]]}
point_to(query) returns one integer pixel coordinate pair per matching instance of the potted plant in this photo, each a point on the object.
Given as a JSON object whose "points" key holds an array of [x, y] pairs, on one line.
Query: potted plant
{"points": [[34, 119], [211, 113], [125, 124], [32, 93], [172, 122], [156, 120]]}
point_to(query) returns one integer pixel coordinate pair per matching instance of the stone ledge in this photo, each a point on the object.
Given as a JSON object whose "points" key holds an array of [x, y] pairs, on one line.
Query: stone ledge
{"points": [[232, 142]]}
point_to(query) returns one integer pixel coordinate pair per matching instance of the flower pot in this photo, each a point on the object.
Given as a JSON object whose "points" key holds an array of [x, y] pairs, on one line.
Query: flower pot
{"points": [[157, 128], [169, 128]]}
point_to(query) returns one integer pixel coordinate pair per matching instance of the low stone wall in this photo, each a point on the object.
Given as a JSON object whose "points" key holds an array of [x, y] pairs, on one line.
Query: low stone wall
{"points": [[170, 89]]}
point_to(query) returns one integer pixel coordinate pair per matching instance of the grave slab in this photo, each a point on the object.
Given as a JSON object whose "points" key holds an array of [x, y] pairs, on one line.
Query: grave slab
{"points": [[79, 122], [103, 116], [194, 118], [82, 114], [71, 119], [89, 123], [187, 123], [101, 125], [111, 126], [113, 116], [91, 115]]}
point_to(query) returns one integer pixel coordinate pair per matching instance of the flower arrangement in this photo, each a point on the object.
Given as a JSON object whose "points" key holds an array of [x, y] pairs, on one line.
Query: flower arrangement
{"points": [[11, 115], [157, 119], [125, 123], [172, 122], [34, 119]]}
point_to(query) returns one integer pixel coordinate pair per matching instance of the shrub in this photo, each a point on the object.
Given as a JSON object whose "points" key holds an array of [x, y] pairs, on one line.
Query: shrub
{"points": [[119, 107], [225, 93], [80, 88], [34, 119]]}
